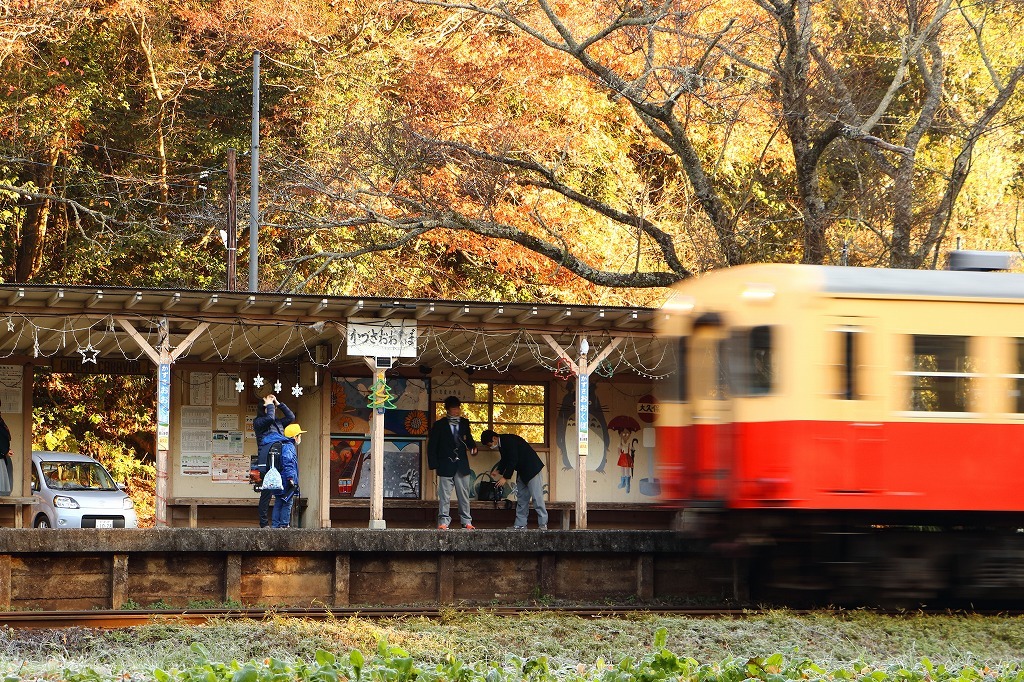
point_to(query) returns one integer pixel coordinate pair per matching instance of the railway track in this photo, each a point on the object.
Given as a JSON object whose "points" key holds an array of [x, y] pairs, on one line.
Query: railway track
{"points": [[123, 619], [109, 620]]}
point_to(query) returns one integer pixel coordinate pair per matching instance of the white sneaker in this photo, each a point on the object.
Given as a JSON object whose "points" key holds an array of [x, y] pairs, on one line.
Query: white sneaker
{"points": [[542, 527]]}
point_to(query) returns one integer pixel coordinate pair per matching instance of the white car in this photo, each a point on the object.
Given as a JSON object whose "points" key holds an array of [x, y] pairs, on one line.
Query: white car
{"points": [[75, 491]]}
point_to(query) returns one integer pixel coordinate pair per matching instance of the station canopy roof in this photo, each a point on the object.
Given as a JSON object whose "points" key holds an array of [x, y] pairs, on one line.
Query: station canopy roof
{"points": [[69, 324]]}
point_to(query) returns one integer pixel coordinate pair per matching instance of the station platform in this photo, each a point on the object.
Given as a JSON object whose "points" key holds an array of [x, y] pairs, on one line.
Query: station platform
{"points": [[81, 569]]}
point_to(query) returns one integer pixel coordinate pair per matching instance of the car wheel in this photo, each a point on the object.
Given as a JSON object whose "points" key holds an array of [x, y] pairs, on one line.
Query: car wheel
{"points": [[42, 522]]}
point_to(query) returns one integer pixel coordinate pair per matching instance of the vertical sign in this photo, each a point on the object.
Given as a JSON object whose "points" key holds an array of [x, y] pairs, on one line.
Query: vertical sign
{"points": [[163, 408], [583, 412]]}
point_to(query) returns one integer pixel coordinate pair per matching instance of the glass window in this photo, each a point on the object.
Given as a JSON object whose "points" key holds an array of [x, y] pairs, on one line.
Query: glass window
{"points": [[760, 349], [846, 369], [941, 374], [506, 408], [1019, 379], [750, 361]]}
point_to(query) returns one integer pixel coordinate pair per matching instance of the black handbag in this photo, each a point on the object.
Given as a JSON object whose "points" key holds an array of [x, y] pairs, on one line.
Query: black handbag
{"points": [[489, 491]]}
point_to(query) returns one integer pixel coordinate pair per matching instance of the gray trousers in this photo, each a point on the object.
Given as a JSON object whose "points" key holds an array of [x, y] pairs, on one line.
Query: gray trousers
{"points": [[532, 489], [462, 485]]}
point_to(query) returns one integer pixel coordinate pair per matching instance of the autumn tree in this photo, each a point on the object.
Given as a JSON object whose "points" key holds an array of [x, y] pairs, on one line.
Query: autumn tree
{"points": [[742, 118]]}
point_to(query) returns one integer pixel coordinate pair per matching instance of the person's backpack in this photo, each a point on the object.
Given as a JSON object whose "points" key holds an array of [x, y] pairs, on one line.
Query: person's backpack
{"points": [[264, 460]]}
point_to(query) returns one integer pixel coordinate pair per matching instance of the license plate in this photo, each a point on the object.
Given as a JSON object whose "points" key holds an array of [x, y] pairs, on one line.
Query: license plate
{"points": [[104, 523]]}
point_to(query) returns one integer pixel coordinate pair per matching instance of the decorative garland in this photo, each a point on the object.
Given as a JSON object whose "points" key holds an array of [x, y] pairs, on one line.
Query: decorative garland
{"points": [[380, 396]]}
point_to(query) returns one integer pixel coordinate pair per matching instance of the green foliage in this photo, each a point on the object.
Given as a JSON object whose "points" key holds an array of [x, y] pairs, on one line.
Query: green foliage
{"points": [[393, 664], [107, 417]]}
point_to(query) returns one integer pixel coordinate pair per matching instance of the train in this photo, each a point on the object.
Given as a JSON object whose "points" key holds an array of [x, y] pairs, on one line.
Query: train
{"points": [[852, 436]]}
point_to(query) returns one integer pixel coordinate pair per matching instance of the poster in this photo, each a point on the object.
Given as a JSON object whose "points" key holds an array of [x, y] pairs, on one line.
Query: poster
{"points": [[196, 418], [250, 416], [11, 380], [200, 388], [227, 392], [351, 474], [196, 464], [227, 422], [350, 414], [196, 440], [230, 468], [227, 442]]}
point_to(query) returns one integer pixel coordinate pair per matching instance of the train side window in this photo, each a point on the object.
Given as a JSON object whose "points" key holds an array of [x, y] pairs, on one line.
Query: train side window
{"points": [[760, 360], [847, 368], [941, 374], [1019, 378]]}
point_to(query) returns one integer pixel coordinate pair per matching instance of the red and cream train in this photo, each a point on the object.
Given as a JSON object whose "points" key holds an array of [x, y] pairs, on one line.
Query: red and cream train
{"points": [[858, 433]]}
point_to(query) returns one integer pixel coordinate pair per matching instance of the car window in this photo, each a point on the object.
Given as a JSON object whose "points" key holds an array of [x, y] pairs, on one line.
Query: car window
{"points": [[77, 476]]}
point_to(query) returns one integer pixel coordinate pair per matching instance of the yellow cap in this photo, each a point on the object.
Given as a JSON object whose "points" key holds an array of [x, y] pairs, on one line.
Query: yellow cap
{"points": [[292, 430]]}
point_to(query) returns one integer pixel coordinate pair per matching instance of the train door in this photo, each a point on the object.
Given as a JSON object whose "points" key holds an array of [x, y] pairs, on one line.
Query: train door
{"points": [[854, 428], [711, 412]]}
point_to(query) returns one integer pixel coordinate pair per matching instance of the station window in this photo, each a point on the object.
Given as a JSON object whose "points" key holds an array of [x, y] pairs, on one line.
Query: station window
{"points": [[941, 374], [506, 408]]}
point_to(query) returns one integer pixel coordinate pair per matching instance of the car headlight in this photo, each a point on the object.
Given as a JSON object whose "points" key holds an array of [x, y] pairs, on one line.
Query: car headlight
{"points": [[127, 503], [64, 502]]}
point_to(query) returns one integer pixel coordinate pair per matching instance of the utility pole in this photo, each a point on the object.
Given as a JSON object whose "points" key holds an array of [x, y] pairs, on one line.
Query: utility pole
{"points": [[232, 227], [254, 181]]}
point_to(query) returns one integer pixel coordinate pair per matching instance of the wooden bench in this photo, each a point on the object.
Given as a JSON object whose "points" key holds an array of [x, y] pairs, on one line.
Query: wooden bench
{"points": [[230, 511], [17, 507]]}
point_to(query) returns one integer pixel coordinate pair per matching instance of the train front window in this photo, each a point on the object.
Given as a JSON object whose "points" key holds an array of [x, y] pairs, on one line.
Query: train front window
{"points": [[941, 374], [750, 361]]}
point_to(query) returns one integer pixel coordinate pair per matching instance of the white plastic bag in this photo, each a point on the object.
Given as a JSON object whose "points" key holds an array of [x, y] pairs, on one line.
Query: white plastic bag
{"points": [[272, 481]]}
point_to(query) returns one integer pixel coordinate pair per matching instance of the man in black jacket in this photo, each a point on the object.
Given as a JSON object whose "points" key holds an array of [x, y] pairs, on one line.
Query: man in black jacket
{"points": [[517, 456], [448, 450]]}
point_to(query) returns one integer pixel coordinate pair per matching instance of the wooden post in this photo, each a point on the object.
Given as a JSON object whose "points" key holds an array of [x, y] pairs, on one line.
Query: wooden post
{"points": [[233, 578], [342, 579], [583, 432], [119, 581], [324, 490], [377, 456]]}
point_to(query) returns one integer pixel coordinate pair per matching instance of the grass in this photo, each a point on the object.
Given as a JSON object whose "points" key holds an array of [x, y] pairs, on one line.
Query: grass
{"points": [[831, 640]]}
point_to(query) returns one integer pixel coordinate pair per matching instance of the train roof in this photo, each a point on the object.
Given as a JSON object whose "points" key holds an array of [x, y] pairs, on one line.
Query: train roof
{"points": [[928, 283], [868, 282]]}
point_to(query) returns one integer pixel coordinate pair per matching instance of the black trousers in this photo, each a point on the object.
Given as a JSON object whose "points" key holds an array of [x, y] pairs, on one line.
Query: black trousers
{"points": [[265, 497]]}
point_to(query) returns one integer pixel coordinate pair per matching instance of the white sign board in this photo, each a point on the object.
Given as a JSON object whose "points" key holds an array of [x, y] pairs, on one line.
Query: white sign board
{"points": [[11, 380], [375, 338]]}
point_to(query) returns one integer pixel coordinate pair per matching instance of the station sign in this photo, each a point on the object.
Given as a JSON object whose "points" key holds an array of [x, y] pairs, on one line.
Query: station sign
{"points": [[374, 338]]}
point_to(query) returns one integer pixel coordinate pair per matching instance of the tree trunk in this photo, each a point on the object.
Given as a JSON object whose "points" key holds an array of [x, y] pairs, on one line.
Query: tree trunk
{"points": [[31, 236]]}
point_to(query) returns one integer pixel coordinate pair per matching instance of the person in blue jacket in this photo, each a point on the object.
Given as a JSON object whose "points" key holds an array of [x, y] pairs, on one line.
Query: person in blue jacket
{"points": [[288, 465], [267, 424]]}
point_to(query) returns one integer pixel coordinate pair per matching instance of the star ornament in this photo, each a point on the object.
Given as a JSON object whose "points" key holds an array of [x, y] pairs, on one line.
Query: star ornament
{"points": [[296, 390], [88, 354]]}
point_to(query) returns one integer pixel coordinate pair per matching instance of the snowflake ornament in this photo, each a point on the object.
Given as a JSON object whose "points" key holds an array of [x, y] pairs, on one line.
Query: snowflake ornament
{"points": [[10, 325], [89, 354], [239, 385], [258, 381], [296, 390], [277, 386]]}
